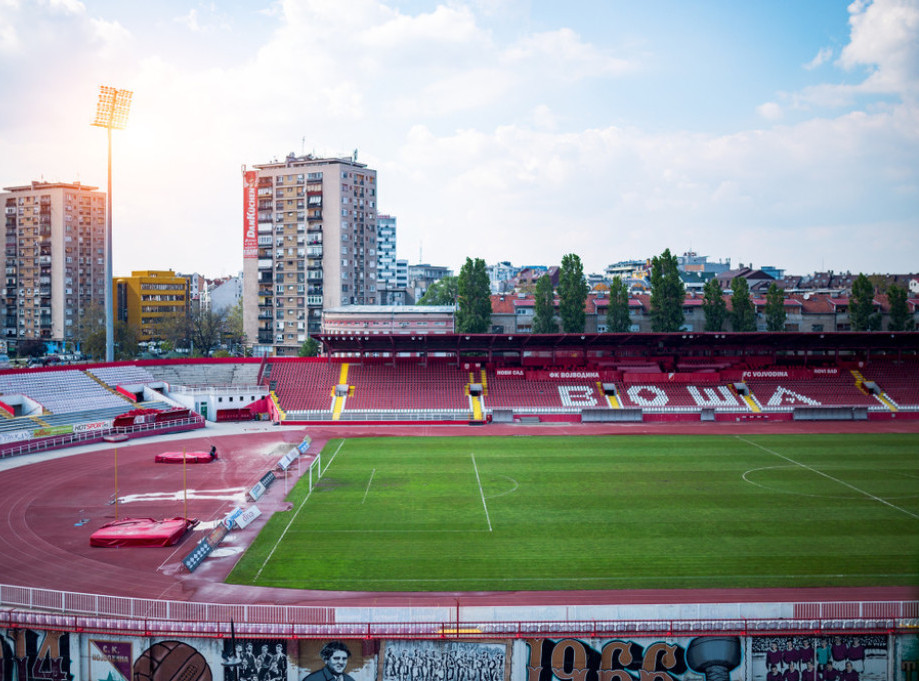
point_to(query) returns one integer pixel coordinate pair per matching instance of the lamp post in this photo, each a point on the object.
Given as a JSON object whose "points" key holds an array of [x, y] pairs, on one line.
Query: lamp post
{"points": [[111, 113]]}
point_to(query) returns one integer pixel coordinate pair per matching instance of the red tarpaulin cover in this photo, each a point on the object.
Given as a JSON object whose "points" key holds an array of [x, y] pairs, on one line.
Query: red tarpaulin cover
{"points": [[142, 532], [190, 457]]}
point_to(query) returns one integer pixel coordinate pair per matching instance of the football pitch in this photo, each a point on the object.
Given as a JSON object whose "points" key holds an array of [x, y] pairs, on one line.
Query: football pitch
{"points": [[619, 512]]}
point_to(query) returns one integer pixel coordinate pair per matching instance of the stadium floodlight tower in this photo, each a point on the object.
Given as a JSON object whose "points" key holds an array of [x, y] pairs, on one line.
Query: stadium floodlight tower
{"points": [[111, 113]]}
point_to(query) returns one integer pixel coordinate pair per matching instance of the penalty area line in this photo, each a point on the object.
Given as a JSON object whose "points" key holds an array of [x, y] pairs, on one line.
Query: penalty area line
{"points": [[281, 538], [372, 473], [481, 491], [830, 477], [332, 458]]}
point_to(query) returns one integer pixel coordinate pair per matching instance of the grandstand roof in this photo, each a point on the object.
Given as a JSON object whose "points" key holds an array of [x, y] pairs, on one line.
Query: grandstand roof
{"points": [[635, 343]]}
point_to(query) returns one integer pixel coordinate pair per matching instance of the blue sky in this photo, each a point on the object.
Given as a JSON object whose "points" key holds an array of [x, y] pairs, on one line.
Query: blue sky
{"points": [[774, 132]]}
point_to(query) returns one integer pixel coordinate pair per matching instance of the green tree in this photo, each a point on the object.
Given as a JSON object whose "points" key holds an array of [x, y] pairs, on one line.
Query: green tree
{"points": [[441, 292], [617, 313], [206, 328], [544, 307], [714, 306], [900, 319], [32, 347], [174, 331], [667, 294], [743, 314], [473, 313], [126, 335], [89, 331], [862, 313], [572, 294], [234, 334], [310, 348], [775, 308]]}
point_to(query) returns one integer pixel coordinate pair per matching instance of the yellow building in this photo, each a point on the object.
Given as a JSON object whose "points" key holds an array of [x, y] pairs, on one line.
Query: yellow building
{"points": [[145, 299]]}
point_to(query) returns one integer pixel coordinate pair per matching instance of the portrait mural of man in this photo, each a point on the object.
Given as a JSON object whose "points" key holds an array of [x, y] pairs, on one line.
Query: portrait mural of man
{"points": [[335, 656]]}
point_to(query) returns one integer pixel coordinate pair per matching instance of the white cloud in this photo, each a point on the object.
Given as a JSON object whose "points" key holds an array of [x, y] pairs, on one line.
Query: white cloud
{"points": [[563, 54], [770, 111], [64, 6], [112, 37], [822, 57], [885, 38]]}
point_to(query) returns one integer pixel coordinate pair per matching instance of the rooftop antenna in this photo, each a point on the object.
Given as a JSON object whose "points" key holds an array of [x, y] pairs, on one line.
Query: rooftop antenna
{"points": [[303, 145]]}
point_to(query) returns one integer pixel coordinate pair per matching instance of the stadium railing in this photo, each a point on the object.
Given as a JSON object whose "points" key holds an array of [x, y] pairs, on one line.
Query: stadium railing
{"points": [[71, 439], [69, 611]]}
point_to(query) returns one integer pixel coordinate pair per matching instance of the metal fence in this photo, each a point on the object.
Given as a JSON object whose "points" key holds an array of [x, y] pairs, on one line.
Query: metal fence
{"points": [[69, 611]]}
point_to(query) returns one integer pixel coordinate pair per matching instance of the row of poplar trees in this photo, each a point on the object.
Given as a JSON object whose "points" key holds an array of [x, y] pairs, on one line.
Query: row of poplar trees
{"points": [[471, 294]]}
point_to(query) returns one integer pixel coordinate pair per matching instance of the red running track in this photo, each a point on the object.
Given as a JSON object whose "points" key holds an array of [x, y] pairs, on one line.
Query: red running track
{"points": [[48, 510]]}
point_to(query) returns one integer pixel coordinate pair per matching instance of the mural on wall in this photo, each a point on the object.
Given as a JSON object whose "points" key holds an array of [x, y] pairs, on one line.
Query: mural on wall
{"points": [[110, 660], [171, 661], [819, 658], [443, 661], [715, 658], [255, 659], [337, 660], [27, 655]]}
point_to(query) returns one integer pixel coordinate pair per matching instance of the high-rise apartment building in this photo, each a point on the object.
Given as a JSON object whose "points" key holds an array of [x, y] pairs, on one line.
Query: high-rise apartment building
{"points": [[54, 260], [386, 250], [309, 243]]}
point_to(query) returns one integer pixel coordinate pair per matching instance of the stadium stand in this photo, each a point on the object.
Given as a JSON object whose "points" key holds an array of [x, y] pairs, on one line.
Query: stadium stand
{"points": [[121, 374], [304, 386], [380, 387]]}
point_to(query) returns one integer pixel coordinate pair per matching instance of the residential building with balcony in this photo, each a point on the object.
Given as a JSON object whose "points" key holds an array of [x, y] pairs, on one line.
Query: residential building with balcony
{"points": [[147, 299], [54, 270], [309, 244]]}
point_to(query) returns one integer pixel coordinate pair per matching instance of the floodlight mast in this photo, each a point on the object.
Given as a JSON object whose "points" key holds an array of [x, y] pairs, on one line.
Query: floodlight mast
{"points": [[111, 113]]}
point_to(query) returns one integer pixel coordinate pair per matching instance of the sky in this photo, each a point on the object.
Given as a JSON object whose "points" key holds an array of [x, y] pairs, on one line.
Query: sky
{"points": [[768, 132]]}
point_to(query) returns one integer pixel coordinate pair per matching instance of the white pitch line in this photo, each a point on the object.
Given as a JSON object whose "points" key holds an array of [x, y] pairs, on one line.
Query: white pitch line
{"points": [[281, 538], [372, 473], [830, 477], [481, 491], [332, 458]]}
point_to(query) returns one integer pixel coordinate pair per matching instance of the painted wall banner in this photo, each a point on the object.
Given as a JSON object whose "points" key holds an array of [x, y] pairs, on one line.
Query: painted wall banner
{"points": [[343, 660], [110, 660], [29, 655], [444, 661], [717, 657], [255, 660], [305, 444], [169, 661], [250, 215], [267, 479], [820, 658], [510, 372]]}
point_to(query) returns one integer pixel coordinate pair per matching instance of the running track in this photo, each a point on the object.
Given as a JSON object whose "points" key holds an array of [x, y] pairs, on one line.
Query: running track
{"points": [[49, 508]]}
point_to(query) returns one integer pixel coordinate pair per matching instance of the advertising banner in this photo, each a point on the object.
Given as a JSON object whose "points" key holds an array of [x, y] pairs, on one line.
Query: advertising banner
{"points": [[250, 215]]}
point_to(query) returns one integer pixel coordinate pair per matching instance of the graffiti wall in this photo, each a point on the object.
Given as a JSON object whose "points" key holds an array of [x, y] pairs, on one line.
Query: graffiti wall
{"points": [[30, 655], [815, 658], [27, 655], [444, 661]]}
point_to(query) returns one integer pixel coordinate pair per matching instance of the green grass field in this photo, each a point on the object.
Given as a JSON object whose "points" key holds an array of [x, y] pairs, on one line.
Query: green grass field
{"points": [[534, 513]]}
